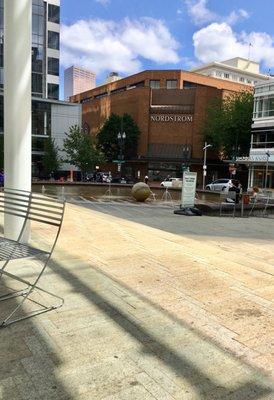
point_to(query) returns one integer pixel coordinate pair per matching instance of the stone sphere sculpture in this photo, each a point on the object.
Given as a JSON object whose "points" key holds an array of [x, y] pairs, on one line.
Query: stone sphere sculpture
{"points": [[140, 191]]}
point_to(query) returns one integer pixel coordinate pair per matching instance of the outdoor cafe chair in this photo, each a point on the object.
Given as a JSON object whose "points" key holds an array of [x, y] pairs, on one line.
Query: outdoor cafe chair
{"points": [[44, 211]]}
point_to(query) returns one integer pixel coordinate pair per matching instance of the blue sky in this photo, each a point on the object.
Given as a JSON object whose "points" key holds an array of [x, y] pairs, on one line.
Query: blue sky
{"points": [[131, 35]]}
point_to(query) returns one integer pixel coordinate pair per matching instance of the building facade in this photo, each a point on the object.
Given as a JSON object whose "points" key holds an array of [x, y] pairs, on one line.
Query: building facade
{"points": [[261, 157], [50, 118], [169, 108], [78, 80], [45, 47], [237, 69]]}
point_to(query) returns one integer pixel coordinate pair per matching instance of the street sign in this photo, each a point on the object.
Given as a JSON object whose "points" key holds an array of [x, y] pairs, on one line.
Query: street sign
{"points": [[118, 161], [188, 189]]}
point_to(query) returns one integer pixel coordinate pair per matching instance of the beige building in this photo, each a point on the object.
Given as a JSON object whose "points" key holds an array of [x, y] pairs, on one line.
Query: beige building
{"points": [[78, 80], [237, 69]]}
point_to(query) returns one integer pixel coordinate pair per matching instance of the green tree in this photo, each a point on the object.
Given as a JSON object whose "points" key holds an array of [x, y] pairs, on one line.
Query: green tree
{"points": [[81, 150], [108, 141], [227, 124], [51, 160]]}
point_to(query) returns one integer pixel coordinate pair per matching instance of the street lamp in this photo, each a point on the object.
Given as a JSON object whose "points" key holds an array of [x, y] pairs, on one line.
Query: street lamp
{"points": [[121, 143], [206, 146], [266, 168]]}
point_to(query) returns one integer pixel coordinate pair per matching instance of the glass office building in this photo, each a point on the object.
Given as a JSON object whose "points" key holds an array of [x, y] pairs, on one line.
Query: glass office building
{"points": [[45, 47]]}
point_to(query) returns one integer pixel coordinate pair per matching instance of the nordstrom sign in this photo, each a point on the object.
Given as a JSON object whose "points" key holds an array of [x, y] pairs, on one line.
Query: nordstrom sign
{"points": [[171, 118]]}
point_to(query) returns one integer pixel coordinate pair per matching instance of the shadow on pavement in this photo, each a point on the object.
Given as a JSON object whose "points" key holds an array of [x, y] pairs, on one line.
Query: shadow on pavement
{"points": [[152, 345]]}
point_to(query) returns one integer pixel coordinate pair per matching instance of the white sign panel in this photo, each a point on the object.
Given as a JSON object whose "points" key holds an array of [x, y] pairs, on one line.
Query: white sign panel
{"points": [[189, 189]]}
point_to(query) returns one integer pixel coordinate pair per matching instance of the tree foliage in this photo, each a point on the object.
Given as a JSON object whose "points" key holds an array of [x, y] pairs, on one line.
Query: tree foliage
{"points": [[51, 160], [108, 141], [81, 150], [227, 124]]}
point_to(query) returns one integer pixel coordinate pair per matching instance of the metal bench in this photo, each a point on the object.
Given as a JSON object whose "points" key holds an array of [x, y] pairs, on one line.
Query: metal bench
{"points": [[28, 206], [227, 209], [260, 204]]}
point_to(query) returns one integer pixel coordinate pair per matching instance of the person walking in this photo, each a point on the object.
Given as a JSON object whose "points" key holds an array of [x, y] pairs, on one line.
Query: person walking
{"points": [[1, 178], [146, 179]]}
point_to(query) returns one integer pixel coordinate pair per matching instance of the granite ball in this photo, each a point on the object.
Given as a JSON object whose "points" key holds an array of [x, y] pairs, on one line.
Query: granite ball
{"points": [[140, 191]]}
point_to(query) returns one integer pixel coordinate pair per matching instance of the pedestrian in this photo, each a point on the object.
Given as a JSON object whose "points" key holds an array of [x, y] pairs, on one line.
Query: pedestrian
{"points": [[1, 178], [146, 179]]}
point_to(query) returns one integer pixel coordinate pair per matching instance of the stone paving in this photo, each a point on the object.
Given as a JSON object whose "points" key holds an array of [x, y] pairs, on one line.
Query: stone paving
{"points": [[157, 306]]}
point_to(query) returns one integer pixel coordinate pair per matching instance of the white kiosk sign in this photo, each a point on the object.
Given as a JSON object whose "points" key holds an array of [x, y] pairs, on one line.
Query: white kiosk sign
{"points": [[188, 189]]}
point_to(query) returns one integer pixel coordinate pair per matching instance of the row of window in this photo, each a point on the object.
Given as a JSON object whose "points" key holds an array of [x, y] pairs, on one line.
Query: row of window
{"points": [[154, 84], [263, 140], [264, 107], [234, 77], [266, 88], [170, 84]]}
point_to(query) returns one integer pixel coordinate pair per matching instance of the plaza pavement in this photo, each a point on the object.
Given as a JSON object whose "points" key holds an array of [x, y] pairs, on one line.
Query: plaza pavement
{"points": [[157, 306]]}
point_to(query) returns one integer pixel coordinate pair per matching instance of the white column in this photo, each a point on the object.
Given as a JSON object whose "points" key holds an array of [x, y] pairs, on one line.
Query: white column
{"points": [[17, 102]]}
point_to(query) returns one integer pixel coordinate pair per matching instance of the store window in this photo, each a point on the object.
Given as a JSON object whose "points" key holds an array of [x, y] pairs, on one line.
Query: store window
{"points": [[171, 84], [54, 13], [53, 40], [53, 91], [155, 84], [53, 66]]}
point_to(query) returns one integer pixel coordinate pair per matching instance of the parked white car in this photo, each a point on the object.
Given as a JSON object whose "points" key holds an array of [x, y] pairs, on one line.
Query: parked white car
{"points": [[172, 182], [222, 185]]}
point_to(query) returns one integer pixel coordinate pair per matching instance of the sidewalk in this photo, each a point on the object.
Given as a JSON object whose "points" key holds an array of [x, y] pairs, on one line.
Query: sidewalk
{"points": [[157, 306]]}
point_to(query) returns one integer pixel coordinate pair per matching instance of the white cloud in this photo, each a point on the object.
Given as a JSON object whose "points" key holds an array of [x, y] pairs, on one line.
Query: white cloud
{"points": [[218, 41], [102, 45], [200, 14]]}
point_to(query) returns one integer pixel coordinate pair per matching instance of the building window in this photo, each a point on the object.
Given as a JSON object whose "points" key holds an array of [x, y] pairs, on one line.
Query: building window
{"points": [[189, 85], [53, 91], [154, 84], [54, 14], [242, 79], [41, 118], [219, 74], [53, 66], [37, 83], [53, 40], [171, 84], [226, 76], [37, 58]]}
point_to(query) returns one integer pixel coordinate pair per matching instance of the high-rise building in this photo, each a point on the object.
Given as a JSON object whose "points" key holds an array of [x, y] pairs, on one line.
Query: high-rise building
{"points": [[78, 80], [45, 47]]}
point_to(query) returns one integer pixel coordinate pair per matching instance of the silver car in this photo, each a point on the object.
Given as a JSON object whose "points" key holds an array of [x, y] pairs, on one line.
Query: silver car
{"points": [[222, 185]]}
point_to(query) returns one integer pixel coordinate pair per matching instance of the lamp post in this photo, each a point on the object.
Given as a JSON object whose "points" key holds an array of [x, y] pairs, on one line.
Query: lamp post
{"points": [[17, 97], [266, 168], [206, 146], [121, 143]]}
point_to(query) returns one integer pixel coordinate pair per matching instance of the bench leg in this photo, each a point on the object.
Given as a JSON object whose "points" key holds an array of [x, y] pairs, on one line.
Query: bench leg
{"points": [[25, 293]]}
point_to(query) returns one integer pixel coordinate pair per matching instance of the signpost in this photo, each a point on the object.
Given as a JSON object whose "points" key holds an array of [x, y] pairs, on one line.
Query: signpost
{"points": [[188, 189], [187, 206]]}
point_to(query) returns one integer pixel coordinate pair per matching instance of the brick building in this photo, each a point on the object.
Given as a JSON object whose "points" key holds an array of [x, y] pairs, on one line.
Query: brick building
{"points": [[169, 108]]}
